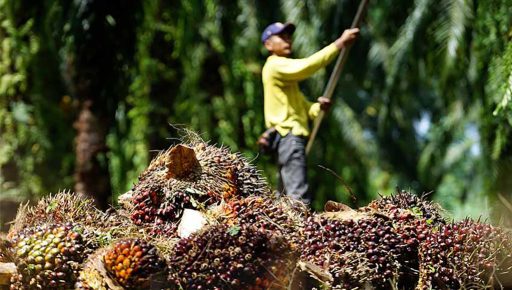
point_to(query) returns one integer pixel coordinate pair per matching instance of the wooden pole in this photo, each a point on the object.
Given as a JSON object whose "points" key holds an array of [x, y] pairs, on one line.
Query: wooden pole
{"points": [[335, 75]]}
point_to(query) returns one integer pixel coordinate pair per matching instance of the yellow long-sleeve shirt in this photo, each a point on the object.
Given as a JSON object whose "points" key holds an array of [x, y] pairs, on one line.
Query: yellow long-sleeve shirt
{"points": [[285, 107]]}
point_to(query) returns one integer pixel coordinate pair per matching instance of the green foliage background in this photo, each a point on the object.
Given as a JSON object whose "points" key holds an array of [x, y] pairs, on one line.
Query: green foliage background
{"points": [[424, 102]]}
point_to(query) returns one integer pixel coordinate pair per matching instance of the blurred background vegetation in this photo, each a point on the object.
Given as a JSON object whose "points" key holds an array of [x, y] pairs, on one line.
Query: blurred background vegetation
{"points": [[90, 90]]}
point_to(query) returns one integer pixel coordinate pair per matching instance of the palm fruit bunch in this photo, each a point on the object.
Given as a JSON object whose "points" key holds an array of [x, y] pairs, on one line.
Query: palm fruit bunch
{"points": [[395, 204], [413, 218], [357, 251], [59, 208], [283, 215], [139, 267], [134, 263], [162, 217], [464, 255], [232, 257], [48, 256], [65, 207], [194, 175]]}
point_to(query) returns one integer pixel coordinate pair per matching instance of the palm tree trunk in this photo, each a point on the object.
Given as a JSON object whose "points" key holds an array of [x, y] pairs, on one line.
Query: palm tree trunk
{"points": [[92, 177]]}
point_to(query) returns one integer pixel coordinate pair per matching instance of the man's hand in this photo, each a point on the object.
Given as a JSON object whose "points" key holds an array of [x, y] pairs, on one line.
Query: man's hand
{"points": [[325, 103], [347, 38]]}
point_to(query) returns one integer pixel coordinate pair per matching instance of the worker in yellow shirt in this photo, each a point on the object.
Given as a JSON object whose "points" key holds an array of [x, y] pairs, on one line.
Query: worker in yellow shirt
{"points": [[286, 109]]}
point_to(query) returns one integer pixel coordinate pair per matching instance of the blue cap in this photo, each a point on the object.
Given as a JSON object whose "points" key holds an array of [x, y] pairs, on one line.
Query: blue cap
{"points": [[277, 28]]}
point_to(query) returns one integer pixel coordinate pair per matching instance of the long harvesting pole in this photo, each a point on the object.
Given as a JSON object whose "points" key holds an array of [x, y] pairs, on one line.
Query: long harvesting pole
{"points": [[335, 75]]}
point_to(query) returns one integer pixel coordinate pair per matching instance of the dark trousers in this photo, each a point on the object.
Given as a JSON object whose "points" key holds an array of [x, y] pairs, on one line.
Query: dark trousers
{"points": [[291, 158]]}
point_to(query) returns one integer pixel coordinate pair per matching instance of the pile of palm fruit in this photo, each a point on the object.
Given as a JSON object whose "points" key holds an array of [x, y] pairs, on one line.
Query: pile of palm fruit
{"points": [[249, 238]]}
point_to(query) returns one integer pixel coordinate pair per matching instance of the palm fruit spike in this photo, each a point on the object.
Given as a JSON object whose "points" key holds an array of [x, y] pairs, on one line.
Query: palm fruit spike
{"points": [[464, 255], [232, 257], [195, 176], [62, 207], [66, 207], [133, 263], [283, 215], [48, 256], [357, 250], [404, 200]]}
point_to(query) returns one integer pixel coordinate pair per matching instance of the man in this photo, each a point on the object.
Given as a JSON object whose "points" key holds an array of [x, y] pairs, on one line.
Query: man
{"points": [[286, 108]]}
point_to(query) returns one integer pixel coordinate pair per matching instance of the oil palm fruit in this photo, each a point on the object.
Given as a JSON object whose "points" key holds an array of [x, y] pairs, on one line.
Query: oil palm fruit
{"points": [[283, 215], [62, 207], [49, 256], [357, 251], [413, 218], [134, 263], [232, 257], [195, 176], [66, 207], [412, 232], [464, 255], [403, 200]]}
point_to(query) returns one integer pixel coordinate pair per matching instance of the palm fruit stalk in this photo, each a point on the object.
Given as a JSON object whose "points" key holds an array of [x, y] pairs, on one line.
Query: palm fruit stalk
{"points": [[413, 218], [134, 264], [232, 257], [283, 216], [358, 251], [93, 275], [465, 255], [49, 256], [194, 175]]}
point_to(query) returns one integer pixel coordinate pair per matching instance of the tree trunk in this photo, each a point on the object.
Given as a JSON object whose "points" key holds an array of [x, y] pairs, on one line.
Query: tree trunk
{"points": [[92, 177]]}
